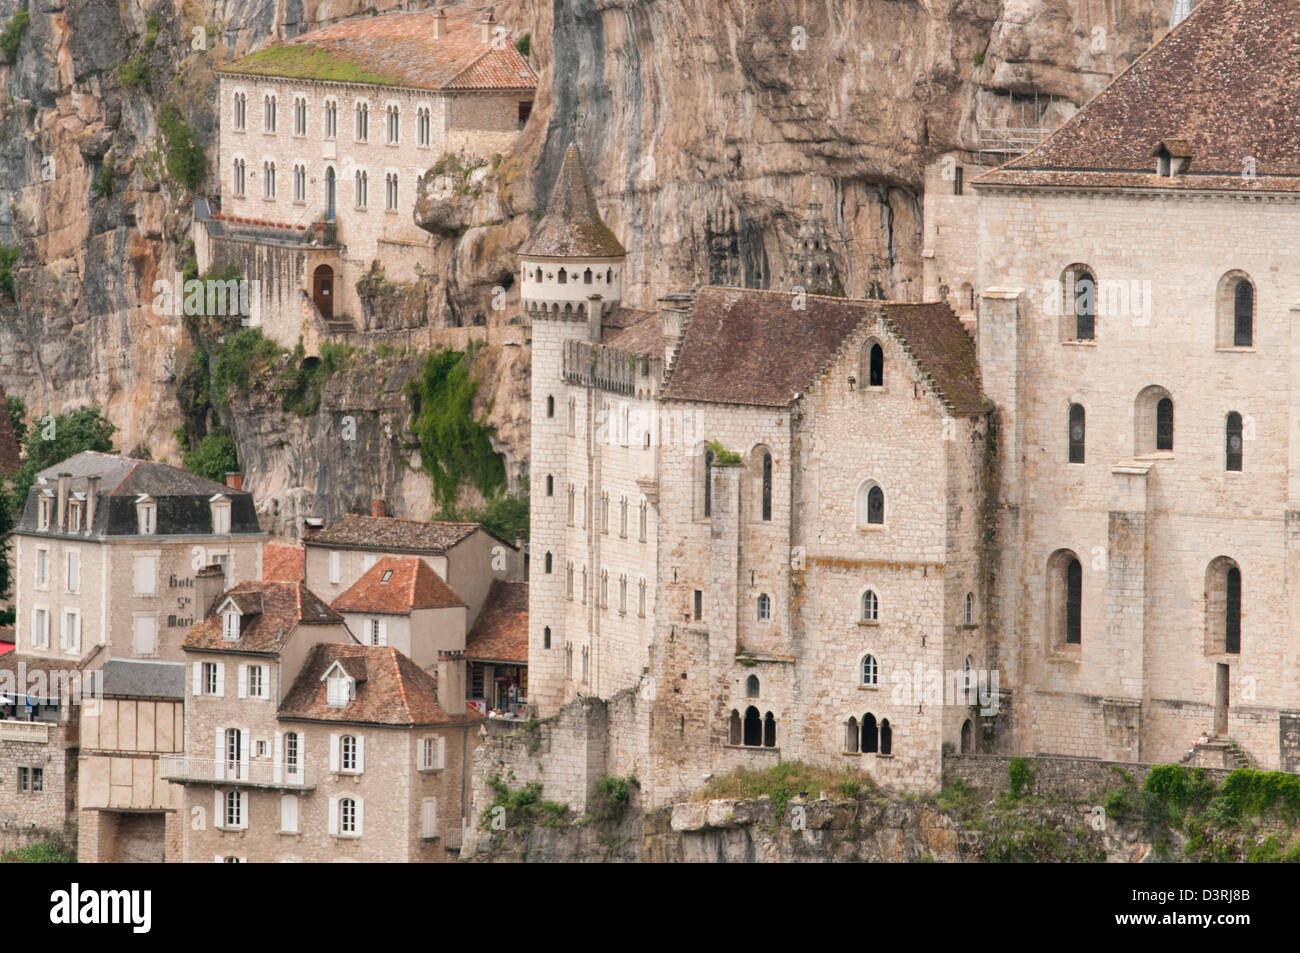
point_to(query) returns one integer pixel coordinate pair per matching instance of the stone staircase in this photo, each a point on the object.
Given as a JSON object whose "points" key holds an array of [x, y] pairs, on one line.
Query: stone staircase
{"points": [[1219, 753]]}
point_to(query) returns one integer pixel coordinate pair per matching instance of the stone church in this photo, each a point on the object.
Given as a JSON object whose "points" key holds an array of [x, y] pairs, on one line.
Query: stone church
{"points": [[784, 526]]}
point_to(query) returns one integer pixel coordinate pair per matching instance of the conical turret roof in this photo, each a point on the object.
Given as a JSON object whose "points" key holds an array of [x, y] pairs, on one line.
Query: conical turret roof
{"points": [[572, 227]]}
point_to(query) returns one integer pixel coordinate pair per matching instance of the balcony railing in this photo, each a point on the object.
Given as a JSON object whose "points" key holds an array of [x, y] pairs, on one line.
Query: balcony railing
{"points": [[32, 732], [257, 774]]}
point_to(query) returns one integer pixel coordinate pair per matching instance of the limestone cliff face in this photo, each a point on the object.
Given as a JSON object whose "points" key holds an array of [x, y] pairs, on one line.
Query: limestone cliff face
{"points": [[707, 125]]}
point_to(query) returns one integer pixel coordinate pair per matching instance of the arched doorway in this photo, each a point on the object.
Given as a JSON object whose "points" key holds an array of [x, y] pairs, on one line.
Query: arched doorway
{"points": [[322, 290], [331, 191], [967, 738]]}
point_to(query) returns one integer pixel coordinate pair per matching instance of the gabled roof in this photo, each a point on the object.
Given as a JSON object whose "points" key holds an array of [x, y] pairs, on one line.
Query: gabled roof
{"points": [[271, 611], [284, 562], [411, 584], [572, 226], [500, 633], [744, 346], [643, 337], [1225, 83], [395, 691], [396, 49], [391, 534], [146, 678]]}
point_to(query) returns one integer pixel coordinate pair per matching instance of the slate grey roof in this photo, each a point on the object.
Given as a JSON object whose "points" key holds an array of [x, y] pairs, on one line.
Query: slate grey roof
{"points": [[144, 678]]}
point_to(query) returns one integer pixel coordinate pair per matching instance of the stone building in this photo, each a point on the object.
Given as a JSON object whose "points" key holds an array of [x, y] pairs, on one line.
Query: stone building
{"points": [[496, 651], [1139, 333], [105, 554], [759, 510], [322, 141]]}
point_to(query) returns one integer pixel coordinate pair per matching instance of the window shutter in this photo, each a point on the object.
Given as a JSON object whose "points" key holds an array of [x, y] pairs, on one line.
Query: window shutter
{"points": [[360, 804], [218, 810], [334, 815], [302, 758], [245, 743], [383, 631], [334, 753], [441, 760], [361, 753], [429, 818], [220, 766], [198, 678], [289, 813], [221, 679], [243, 680], [277, 747], [243, 811]]}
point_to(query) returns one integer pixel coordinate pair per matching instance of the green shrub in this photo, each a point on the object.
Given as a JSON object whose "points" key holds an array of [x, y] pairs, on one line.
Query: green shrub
{"points": [[135, 69], [185, 160], [1021, 775], [524, 44], [214, 457], [238, 358], [8, 258], [722, 455], [12, 34], [611, 796], [1171, 784], [103, 184], [503, 515], [45, 852], [53, 440]]}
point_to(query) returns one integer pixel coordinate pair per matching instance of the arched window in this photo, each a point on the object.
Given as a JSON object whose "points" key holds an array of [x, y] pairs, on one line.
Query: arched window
{"points": [[764, 607], [968, 611], [870, 734], [769, 731], [733, 728], [1153, 421], [708, 483], [548, 562], [886, 737], [751, 687], [586, 277], [753, 727], [1223, 606], [871, 504], [550, 406], [870, 670], [562, 276], [967, 677], [1079, 304], [546, 637], [870, 606], [1233, 448], [967, 737], [767, 486], [347, 816], [851, 735], [1065, 599], [876, 368], [550, 485], [1076, 435]]}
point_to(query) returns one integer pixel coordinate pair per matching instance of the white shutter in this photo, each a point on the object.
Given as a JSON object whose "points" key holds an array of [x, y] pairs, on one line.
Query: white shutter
{"points": [[335, 574], [429, 817], [243, 812], [245, 744], [334, 753], [361, 753], [360, 804], [221, 679], [383, 631], [302, 758], [220, 766], [74, 571], [421, 762], [277, 750], [289, 813], [334, 815], [198, 678], [218, 810], [441, 759], [243, 680]]}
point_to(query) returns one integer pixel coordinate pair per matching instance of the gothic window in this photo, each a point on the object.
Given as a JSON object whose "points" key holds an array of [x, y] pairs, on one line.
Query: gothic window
{"points": [[550, 485], [239, 171], [299, 182], [1223, 606], [1235, 307], [870, 607], [241, 111], [1065, 598], [886, 737], [851, 735], [764, 607], [968, 613], [1243, 314], [392, 125], [390, 191], [1233, 448], [268, 180], [363, 122], [870, 734], [422, 126], [1077, 425], [361, 188], [268, 113], [871, 504], [586, 277], [548, 563], [299, 116], [767, 486], [769, 731], [550, 406], [870, 670], [751, 687], [1165, 424], [331, 119], [871, 370], [1079, 291], [733, 728], [546, 637], [562, 277], [753, 727]]}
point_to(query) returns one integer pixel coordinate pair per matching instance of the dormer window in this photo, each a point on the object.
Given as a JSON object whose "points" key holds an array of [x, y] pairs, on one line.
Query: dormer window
{"points": [[44, 506], [75, 509], [146, 515], [338, 690], [220, 514], [1173, 156], [230, 626]]}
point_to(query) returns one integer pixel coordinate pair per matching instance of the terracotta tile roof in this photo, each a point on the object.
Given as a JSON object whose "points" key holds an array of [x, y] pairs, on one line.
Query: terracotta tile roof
{"points": [[284, 562], [272, 611], [411, 584], [500, 633], [9, 452], [396, 49], [395, 690], [744, 346], [1225, 83], [572, 226], [390, 534], [644, 337]]}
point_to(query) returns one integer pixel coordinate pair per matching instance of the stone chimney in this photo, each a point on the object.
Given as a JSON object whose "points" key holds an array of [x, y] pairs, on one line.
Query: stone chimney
{"points": [[486, 26], [312, 525], [235, 480], [451, 682], [674, 314], [595, 307], [378, 508], [92, 498], [65, 480], [439, 23], [209, 583]]}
